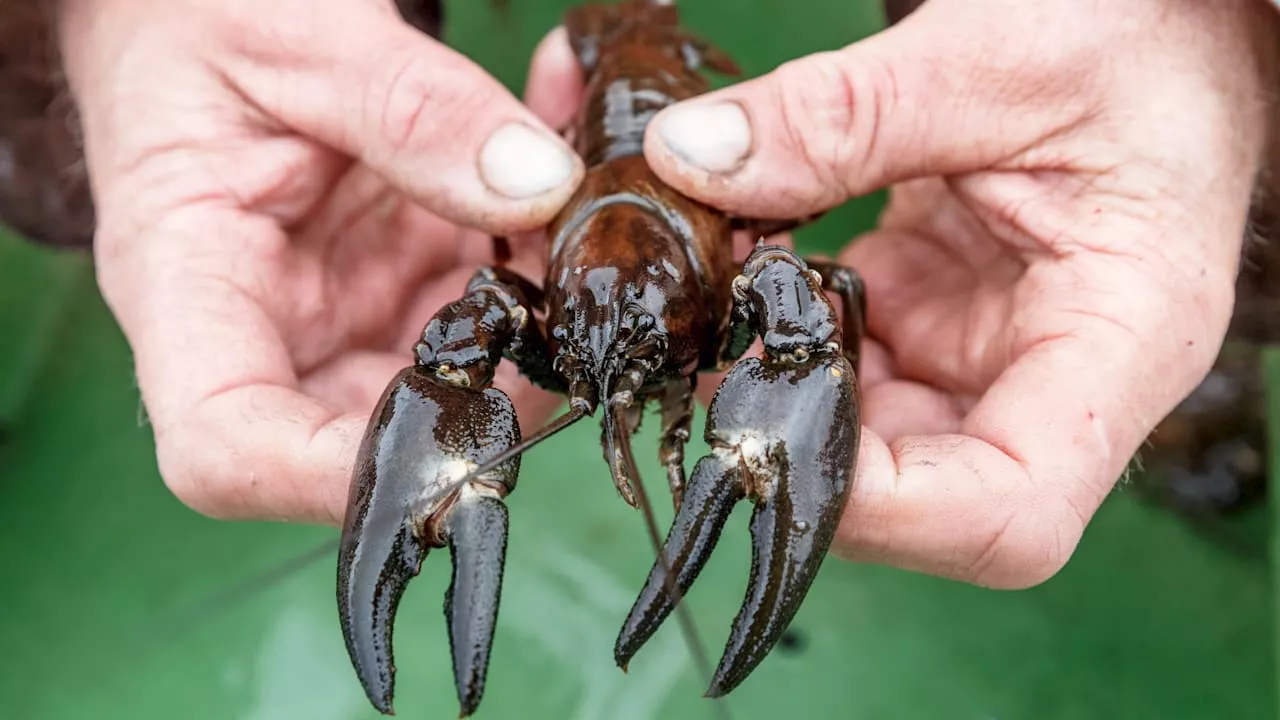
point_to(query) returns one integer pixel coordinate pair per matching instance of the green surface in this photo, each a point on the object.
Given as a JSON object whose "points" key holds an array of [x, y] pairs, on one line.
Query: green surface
{"points": [[121, 603]]}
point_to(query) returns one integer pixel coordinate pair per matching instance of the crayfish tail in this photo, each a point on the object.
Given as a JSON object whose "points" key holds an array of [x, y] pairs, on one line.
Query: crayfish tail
{"points": [[708, 502], [476, 531]]}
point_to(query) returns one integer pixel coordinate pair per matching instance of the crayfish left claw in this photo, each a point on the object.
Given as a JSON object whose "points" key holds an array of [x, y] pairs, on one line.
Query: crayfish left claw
{"points": [[800, 480], [424, 437], [784, 432], [784, 436]]}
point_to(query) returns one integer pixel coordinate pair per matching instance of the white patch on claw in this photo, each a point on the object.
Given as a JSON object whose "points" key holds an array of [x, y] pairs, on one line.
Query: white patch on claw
{"points": [[750, 449], [436, 483], [454, 469], [472, 491], [519, 316]]}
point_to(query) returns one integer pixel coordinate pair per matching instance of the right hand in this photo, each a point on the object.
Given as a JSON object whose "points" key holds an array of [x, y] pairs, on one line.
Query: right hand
{"points": [[277, 187]]}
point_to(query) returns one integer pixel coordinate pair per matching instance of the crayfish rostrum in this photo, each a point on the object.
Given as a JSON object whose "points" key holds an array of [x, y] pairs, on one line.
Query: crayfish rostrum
{"points": [[641, 294]]}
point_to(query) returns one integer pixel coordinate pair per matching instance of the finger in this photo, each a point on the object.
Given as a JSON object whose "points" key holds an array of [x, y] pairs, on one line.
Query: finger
{"points": [[555, 86], [432, 122], [878, 365], [898, 408], [840, 124], [1004, 500], [235, 437], [353, 382]]}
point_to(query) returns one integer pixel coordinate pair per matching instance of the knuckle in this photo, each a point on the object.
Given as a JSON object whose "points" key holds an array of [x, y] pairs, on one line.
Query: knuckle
{"points": [[1031, 545], [832, 106], [406, 98], [397, 100]]}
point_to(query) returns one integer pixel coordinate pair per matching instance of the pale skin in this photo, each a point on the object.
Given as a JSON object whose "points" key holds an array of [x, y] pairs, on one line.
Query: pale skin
{"points": [[280, 192]]}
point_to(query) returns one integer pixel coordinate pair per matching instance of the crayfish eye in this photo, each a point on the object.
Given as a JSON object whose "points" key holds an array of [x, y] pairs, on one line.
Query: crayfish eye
{"points": [[559, 333]]}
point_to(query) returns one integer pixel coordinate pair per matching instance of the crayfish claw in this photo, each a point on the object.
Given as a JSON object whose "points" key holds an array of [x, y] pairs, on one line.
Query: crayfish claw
{"points": [[372, 576], [409, 495], [784, 435], [784, 431], [796, 429], [476, 530], [708, 501]]}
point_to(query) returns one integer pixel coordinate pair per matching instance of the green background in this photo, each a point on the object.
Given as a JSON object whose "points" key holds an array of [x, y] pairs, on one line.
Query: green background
{"points": [[118, 602]]}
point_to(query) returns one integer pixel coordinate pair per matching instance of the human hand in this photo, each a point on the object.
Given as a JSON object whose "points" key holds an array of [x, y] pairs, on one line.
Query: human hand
{"points": [[255, 168], [1055, 269]]}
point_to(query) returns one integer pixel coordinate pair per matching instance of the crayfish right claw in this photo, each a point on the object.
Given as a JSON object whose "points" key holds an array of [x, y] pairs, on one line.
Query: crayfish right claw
{"points": [[424, 437], [476, 530]]}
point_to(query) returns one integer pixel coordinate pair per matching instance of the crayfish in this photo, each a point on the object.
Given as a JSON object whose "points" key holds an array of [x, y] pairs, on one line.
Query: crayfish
{"points": [[641, 294]]}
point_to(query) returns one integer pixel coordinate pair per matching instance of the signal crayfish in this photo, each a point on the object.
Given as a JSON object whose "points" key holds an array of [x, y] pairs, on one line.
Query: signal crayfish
{"points": [[641, 294]]}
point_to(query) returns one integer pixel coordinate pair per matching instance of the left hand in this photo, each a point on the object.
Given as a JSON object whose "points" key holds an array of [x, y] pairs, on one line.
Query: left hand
{"points": [[1054, 271]]}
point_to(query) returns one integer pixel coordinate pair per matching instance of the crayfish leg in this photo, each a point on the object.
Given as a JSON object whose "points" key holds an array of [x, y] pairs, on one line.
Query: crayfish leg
{"points": [[677, 419]]}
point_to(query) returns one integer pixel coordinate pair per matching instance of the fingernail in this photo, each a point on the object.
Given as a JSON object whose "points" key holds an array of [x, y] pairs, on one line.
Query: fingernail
{"points": [[713, 136], [520, 162]]}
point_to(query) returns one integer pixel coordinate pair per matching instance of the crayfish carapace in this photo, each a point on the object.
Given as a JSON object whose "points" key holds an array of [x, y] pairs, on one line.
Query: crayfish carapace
{"points": [[641, 294]]}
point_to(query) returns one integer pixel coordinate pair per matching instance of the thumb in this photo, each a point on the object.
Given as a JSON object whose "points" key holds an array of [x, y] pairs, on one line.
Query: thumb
{"points": [[426, 118], [908, 102]]}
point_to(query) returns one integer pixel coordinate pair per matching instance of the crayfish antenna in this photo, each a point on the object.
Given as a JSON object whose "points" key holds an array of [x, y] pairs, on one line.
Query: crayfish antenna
{"points": [[571, 416]]}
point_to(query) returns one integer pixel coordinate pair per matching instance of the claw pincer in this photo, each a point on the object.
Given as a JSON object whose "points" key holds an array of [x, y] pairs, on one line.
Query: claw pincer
{"points": [[436, 424], [784, 433]]}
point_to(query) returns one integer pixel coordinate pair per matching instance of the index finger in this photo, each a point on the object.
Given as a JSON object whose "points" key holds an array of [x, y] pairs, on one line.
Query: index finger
{"points": [[1004, 501], [235, 437]]}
